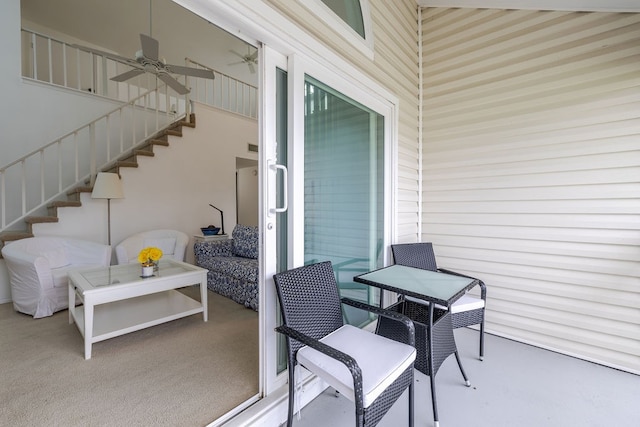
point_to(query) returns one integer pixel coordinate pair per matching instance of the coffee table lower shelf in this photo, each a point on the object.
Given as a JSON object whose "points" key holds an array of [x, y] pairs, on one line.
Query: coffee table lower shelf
{"points": [[122, 317]]}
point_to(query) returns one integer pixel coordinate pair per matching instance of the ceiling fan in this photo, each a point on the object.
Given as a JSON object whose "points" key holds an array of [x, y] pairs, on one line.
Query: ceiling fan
{"points": [[147, 61], [251, 59]]}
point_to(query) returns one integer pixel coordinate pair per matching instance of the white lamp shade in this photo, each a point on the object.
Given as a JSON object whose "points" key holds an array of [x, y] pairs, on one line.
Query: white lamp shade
{"points": [[107, 186]]}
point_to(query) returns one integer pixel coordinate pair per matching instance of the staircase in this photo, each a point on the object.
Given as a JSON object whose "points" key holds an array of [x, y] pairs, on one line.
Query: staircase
{"points": [[147, 112], [128, 160]]}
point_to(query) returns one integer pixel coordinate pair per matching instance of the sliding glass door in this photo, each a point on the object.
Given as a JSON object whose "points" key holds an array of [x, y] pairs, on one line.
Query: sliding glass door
{"points": [[343, 187], [326, 192]]}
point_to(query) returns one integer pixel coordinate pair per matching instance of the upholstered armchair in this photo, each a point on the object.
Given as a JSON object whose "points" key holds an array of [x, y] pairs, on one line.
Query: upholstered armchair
{"points": [[173, 244], [38, 268]]}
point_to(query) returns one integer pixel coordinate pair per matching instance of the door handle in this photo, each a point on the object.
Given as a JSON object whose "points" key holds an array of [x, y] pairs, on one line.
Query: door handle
{"points": [[285, 188]]}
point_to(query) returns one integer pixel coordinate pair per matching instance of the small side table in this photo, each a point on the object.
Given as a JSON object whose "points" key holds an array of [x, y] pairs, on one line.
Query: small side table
{"points": [[202, 238]]}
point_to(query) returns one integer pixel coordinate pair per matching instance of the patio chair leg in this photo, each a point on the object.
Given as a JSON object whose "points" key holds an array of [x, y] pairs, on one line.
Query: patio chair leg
{"points": [[433, 401], [411, 404], [464, 375], [482, 340], [292, 389]]}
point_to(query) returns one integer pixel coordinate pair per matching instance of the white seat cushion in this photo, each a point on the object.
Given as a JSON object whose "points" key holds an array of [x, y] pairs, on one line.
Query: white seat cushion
{"points": [[381, 360], [466, 303]]}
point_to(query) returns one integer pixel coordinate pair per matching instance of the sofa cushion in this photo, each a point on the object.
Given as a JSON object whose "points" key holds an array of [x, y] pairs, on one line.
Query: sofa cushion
{"points": [[245, 269], [245, 241]]}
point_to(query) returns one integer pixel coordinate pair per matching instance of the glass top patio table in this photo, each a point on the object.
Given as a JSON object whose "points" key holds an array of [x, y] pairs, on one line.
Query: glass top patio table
{"points": [[433, 286]]}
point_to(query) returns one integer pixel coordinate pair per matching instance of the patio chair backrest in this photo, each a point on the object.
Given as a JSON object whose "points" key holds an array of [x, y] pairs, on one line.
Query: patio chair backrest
{"points": [[309, 300], [418, 255]]}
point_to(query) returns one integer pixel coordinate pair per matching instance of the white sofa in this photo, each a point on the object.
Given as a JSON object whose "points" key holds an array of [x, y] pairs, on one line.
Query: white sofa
{"points": [[173, 244], [38, 268]]}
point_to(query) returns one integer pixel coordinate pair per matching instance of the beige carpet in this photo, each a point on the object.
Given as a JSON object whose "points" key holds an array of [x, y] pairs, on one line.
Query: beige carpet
{"points": [[182, 373]]}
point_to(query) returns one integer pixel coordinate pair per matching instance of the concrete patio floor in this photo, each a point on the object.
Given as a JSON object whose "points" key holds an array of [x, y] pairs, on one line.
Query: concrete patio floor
{"points": [[517, 385]]}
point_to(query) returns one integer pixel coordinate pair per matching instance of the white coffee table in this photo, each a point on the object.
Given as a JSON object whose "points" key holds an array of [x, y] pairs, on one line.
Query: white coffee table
{"points": [[116, 300]]}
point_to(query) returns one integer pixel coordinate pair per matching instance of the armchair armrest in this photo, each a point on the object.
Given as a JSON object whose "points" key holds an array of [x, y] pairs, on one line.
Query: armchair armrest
{"points": [[29, 271], [408, 323], [483, 287]]}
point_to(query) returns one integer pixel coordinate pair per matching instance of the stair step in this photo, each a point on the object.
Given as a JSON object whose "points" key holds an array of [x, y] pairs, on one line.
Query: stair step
{"points": [[30, 220], [77, 190], [10, 236], [156, 141], [65, 204], [52, 208], [173, 132], [147, 153], [125, 164]]}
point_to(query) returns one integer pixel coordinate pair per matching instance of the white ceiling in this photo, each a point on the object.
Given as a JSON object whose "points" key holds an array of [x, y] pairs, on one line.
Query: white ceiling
{"points": [[116, 25], [577, 5]]}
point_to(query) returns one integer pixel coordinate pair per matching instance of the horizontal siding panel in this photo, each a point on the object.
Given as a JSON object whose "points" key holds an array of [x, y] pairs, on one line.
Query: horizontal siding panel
{"points": [[586, 322], [598, 206], [579, 345], [570, 302], [596, 273], [606, 237], [593, 249], [617, 191], [618, 222]]}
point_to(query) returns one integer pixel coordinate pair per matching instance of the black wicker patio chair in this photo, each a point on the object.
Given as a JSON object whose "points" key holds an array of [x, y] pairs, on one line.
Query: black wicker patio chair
{"points": [[469, 309], [371, 370]]}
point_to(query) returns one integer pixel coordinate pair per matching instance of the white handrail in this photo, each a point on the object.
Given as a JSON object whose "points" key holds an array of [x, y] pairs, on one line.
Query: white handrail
{"points": [[76, 156]]}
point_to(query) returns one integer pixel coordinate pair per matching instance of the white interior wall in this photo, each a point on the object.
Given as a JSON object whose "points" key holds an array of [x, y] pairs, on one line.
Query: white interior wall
{"points": [[173, 189]]}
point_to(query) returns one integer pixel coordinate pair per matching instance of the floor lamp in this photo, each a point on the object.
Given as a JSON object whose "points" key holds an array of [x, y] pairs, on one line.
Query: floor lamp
{"points": [[107, 186]]}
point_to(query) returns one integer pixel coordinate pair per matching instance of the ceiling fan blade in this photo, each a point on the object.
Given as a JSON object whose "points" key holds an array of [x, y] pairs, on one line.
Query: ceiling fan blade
{"points": [[150, 47], [236, 63], [105, 54], [190, 71], [253, 57], [237, 54], [173, 83], [252, 69], [127, 75]]}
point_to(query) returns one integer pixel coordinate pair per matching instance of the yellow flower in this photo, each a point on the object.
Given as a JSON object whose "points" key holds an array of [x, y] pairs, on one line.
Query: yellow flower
{"points": [[155, 254], [149, 255]]}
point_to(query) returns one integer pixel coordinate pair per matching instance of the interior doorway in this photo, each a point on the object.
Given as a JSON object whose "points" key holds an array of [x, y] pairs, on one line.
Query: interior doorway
{"points": [[247, 196]]}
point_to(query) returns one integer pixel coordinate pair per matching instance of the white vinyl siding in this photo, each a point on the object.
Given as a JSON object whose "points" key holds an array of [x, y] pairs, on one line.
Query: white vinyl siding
{"points": [[532, 171]]}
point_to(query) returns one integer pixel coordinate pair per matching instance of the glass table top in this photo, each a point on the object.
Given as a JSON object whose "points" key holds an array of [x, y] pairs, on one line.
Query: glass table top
{"points": [[425, 284], [129, 273]]}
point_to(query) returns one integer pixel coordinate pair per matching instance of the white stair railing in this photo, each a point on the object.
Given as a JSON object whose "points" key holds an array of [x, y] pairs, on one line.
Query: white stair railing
{"points": [[56, 62], [224, 92], [49, 60], [28, 184]]}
